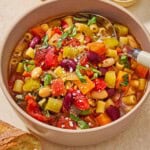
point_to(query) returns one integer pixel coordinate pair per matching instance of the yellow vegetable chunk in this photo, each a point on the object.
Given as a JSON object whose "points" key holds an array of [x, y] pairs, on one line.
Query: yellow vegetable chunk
{"points": [[20, 68], [99, 94], [18, 86], [54, 105], [111, 53], [129, 100], [109, 103], [60, 72], [30, 53], [31, 85], [100, 107], [111, 42], [45, 27], [110, 79], [142, 84], [121, 29], [123, 41], [85, 87]]}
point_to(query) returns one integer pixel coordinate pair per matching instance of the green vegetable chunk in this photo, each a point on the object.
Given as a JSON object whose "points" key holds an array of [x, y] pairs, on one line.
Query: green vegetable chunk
{"points": [[47, 79], [54, 105]]}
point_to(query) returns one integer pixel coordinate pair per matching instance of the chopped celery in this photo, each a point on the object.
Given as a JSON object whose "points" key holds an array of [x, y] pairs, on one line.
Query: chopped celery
{"points": [[54, 105], [85, 112], [92, 21], [31, 85], [47, 79]]}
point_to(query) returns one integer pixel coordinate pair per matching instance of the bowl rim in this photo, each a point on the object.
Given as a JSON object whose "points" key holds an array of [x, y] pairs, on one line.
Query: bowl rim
{"points": [[50, 127]]}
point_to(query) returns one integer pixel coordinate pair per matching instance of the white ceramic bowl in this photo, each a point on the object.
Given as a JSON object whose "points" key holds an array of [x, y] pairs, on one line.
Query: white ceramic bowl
{"points": [[51, 9]]}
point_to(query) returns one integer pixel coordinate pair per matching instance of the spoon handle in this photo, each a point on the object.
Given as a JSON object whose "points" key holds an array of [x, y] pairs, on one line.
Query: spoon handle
{"points": [[144, 58]]}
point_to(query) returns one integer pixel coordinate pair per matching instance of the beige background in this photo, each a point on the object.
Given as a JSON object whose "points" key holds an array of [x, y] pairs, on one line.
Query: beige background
{"points": [[137, 135]]}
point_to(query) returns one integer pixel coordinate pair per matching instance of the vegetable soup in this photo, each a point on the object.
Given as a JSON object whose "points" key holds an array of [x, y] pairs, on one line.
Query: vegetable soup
{"points": [[70, 72]]}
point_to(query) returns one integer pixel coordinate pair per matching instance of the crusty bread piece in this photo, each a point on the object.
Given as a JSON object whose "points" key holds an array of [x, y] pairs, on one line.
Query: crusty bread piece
{"points": [[12, 138]]}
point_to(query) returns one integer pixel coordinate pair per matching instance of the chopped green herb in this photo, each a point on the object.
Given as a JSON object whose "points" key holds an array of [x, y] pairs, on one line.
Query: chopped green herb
{"points": [[92, 21], [74, 118], [28, 65], [85, 112], [125, 80], [124, 60], [80, 76], [71, 32], [95, 76], [47, 79], [45, 42], [82, 124], [80, 19]]}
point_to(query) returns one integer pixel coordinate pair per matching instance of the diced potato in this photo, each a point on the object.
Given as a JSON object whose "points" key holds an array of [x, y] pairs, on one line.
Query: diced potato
{"points": [[60, 72], [111, 42], [31, 85], [18, 85], [134, 83], [123, 41], [111, 53], [110, 79], [20, 68], [30, 52], [142, 84], [70, 52], [100, 107], [99, 94], [109, 103], [121, 29], [129, 100], [54, 105], [131, 91]]}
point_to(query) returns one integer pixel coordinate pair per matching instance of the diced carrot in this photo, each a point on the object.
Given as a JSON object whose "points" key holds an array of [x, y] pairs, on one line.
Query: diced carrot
{"points": [[37, 31], [119, 50], [85, 87], [97, 47], [120, 79], [26, 74], [103, 119], [141, 70]]}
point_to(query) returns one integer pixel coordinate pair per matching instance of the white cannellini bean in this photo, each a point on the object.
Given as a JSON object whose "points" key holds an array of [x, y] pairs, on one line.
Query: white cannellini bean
{"points": [[108, 62], [45, 91], [36, 72]]}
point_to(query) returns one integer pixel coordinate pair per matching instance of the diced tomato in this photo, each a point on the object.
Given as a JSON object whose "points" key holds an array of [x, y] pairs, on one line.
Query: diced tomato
{"points": [[37, 31], [74, 42], [58, 87], [51, 60], [83, 60], [40, 56], [66, 123], [87, 39], [33, 109], [64, 24], [100, 84], [57, 30], [80, 101]]}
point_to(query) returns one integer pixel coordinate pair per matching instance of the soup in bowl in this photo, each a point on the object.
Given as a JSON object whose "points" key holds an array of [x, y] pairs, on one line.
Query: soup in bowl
{"points": [[69, 75]]}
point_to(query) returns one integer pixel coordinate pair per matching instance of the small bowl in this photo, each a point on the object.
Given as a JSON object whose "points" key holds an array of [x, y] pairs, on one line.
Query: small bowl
{"points": [[52, 9]]}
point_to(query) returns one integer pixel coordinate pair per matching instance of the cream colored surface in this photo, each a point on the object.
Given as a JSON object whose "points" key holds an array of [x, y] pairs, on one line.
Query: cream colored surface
{"points": [[135, 137]]}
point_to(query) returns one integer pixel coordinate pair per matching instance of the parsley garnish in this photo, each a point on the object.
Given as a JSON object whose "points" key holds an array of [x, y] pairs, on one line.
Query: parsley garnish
{"points": [[125, 80], [124, 60], [92, 21]]}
